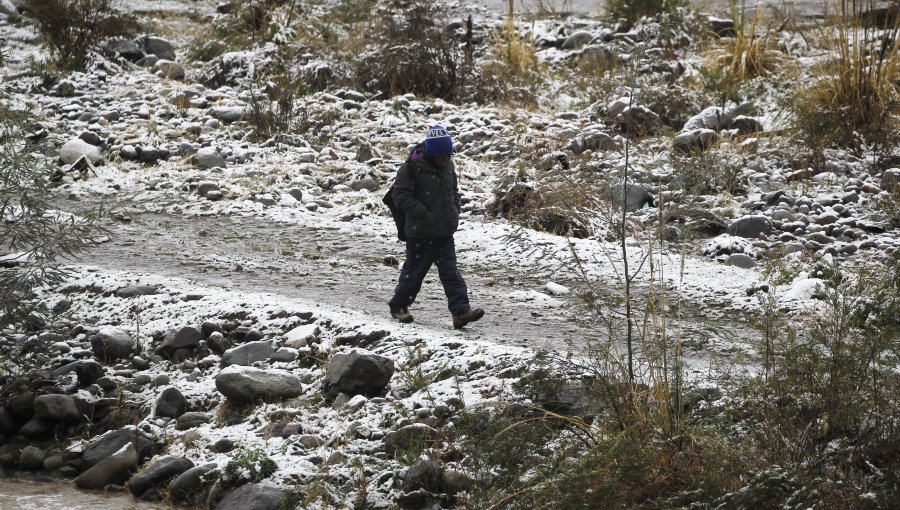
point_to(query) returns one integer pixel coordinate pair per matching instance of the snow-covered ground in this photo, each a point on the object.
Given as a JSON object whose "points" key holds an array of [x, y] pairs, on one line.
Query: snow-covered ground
{"points": [[274, 235]]}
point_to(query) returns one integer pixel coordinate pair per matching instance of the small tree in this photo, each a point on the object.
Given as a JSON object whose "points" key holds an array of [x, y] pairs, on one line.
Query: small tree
{"points": [[33, 236]]}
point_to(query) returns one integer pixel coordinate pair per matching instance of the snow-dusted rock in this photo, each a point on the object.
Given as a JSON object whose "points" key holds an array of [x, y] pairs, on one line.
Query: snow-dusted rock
{"points": [[556, 289], [229, 114], [72, 150], [186, 337], [185, 488], [695, 140], [113, 469], [65, 88], [170, 404], [157, 46], [577, 40], [740, 260], [357, 374], [112, 442], [253, 496], [169, 69], [157, 474], [125, 48], [890, 179], [110, 344], [244, 385], [209, 157], [301, 336], [750, 227], [247, 354]]}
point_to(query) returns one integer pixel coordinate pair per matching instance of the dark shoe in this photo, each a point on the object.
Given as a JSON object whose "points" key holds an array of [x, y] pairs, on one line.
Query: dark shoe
{"points": [[402, 315], [464, 318]]}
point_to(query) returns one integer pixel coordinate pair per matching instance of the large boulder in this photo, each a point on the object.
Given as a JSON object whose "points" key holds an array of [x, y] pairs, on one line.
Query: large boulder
{"points": [[57, 408], [170, 404], [890, 179], [244, 385], [112, 469], [111, 344], [186, 488], [694, 141], [156, 46], [253, 496], [209, 157], [124, 48], [247, 354], [425, 474], [31, 458], [186, 337], [110, 443], [158, 474], [357, 374], [750, 227], [75, 149], [635, 196], [577, 40], [169, 69]]}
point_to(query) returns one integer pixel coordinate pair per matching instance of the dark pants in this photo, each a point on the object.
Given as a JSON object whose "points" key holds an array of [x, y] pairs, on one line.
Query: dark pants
{"points": [[420, 254]]}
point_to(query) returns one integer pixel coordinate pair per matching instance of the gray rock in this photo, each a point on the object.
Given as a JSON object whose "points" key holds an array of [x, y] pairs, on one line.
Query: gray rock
{"points": [[310, 441], [750, 227], [577, 40], [186, 337], [284, 355], [247, 354], [157, 46], [740, 260], [53, 462], [192, 420], [205, 187], [129, 153], [366, 183], [75, 149], [112, 442], [244, 385], [37, 428], [168, 69], [31, 458], [62, 306], [746, 125], [695, 140], [186, 488], [357, 374], [253, 496], [158, 474], [265, 199], [171, 403], [131, 291], [890, 180], [424, 474], [9, 9], [90, 137], [125, 48], [599, 142], [636, 196], [57, 408], [112, 469], [7, 423], [161, 380], [110, 344], [407, 437], [229, 114], [457, 481], [65, 88], [87, 371], [716, 118], [208, 157]]}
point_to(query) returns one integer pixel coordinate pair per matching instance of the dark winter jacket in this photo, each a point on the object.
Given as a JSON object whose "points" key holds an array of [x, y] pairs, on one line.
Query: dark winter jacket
{"points": [[429, 196]]}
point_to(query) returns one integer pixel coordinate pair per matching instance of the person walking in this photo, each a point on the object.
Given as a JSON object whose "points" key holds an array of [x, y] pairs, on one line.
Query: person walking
{"points": [[427, 192]]}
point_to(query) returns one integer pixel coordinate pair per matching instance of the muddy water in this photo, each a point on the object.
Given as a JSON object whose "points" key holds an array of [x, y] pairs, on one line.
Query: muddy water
{"points": [[21, 494]]}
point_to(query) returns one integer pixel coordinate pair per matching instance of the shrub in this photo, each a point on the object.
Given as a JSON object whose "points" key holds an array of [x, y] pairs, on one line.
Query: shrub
{"points": [[75, 28], [632, 10], [745, 54], [248, 466], [35, 233], [857, 100], [413, 54]]}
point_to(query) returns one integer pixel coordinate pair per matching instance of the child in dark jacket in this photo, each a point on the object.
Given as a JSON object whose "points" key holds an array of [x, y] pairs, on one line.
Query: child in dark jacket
{"points": [[427, 192]]}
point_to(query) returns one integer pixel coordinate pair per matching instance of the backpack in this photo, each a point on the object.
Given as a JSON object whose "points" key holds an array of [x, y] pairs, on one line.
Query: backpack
{"points": [[399, 216]]}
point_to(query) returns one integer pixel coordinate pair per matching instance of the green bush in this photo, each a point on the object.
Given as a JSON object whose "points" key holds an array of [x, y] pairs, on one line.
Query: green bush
{"points": [[248, 466], [633, 10]]}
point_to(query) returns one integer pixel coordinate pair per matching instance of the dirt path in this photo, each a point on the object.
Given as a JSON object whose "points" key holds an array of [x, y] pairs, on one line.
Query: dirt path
{"points": [[347, 268]]}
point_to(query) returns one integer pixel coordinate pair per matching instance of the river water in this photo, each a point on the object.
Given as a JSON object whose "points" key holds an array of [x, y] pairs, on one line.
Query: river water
{"points": [[22, 494]]}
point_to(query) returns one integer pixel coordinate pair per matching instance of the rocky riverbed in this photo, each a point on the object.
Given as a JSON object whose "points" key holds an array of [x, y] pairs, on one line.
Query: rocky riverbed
{"points": [[227, 341]]}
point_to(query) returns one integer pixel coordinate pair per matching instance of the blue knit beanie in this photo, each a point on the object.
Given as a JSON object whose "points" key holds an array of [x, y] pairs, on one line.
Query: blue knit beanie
{"points": [[438, 142]]}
